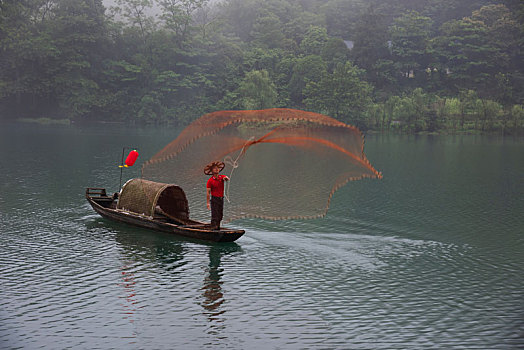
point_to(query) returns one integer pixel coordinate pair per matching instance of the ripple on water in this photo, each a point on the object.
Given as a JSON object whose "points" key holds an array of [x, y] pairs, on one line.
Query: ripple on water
{"points": [[389, 267], [81, 281]]}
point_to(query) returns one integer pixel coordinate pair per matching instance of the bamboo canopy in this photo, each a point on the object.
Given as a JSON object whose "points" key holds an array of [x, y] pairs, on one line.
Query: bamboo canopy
{"points": [[145, 197]]}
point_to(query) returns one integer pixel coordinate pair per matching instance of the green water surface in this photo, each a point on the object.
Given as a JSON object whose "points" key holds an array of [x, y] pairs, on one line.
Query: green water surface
{"points": [[431, 256]]}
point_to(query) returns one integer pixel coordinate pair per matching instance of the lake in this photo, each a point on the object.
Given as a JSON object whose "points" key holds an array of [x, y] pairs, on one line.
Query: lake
{"points": [[431, 256]]}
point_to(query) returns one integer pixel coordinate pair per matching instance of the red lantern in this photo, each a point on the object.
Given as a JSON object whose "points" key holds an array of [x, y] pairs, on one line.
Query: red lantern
{"points": [[131, 158]]}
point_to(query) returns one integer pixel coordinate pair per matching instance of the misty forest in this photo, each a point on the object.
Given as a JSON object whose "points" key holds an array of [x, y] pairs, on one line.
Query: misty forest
{"points": [[450, 66]]}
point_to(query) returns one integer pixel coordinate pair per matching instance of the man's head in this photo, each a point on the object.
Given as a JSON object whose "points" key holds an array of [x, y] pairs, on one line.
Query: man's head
{"points": [[214, 168]]}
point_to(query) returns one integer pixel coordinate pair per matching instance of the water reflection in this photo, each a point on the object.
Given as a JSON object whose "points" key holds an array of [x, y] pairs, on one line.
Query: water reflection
{"points": [[148, 251], [212, 289], [146, 247], [128, 283]]}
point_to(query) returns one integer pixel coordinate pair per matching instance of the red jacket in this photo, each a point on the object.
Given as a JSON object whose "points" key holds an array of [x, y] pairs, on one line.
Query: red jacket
{"points": [[216, 186]]}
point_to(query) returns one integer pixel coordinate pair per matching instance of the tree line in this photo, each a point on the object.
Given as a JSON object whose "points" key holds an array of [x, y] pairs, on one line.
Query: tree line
{"points": [[411, 66]]}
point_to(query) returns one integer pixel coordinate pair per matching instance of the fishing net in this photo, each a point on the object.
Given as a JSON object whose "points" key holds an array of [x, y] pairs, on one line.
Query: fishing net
{"points": [[283, 163]]}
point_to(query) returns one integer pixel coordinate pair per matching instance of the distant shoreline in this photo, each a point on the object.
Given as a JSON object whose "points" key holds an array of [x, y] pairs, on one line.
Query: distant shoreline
{"points": [[67, 121], [44, 121]]}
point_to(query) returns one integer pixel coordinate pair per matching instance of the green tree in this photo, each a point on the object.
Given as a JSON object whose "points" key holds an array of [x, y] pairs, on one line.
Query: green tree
{"points": [[341, 94], [314, 41], [410, 35], [421, 116], [267, 31], [468, 106], [306, 69], [296, 28], [262, 59], [370, 40], [517, 115], [28, 57], [402, 112], [464, 49], [283, 76], [341, 16], [334, 52], [491, 113], [389, 108], [80, 37], [240, 15], [504, 33], [452, 112], [177, 16], [53, 56], [135, 14], [257, 91], [371, 51], [375, 116]]}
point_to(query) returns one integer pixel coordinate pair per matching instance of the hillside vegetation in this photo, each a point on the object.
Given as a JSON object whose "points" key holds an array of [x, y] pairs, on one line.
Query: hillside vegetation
{"points": [[411, 66]]}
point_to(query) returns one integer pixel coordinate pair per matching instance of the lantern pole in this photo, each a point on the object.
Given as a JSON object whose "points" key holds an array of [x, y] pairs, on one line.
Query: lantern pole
{"points": [[121, 167], [122, 163]]}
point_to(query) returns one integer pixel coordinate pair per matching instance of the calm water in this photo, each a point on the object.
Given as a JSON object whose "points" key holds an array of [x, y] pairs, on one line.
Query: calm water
{"points": [[431, 256]]}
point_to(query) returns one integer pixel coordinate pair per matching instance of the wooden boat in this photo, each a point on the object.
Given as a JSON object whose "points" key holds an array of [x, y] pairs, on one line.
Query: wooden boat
{"points": [[157, 206]]}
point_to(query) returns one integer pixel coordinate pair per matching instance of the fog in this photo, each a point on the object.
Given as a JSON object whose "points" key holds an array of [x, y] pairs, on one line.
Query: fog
{"points": [[426, 66], [155, 9]]}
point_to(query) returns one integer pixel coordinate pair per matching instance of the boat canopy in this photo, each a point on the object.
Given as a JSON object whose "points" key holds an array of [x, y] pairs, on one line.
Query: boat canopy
{"points": [[145, 197]]}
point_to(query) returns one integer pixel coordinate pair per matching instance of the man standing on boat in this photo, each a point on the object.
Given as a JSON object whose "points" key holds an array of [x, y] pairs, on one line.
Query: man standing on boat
{"points": [[215, 192]]}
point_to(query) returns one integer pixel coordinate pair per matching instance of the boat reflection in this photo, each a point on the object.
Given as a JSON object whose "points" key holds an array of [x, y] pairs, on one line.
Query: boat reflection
{"points": [[140, 249], [170, 253]]}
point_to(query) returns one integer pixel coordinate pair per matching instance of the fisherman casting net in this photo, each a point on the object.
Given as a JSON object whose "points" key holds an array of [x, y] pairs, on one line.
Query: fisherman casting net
{"points": [[283, 163]]}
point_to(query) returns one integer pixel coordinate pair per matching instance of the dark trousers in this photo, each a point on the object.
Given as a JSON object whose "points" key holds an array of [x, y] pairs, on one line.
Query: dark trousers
{"points": [[217, 211]]}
